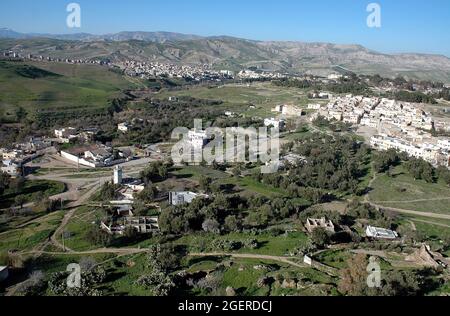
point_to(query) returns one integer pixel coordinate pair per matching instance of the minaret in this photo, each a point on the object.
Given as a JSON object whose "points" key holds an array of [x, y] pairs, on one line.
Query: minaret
{"points": [[118, 175]]}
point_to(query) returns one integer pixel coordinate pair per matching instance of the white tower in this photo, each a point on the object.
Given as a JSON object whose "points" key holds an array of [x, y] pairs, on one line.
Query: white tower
{"points": [[118, 174]]}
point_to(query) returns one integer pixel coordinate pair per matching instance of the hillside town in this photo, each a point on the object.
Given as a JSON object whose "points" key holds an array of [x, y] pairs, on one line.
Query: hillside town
{"points": [[402, 126]]}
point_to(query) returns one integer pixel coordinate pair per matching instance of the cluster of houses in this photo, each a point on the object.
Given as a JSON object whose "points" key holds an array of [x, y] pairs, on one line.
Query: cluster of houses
{"points": [[403, 126], [32, 57], [251, 74], [13, 160], [147, 70], [68, 135], [433, 150], [88, 154]]}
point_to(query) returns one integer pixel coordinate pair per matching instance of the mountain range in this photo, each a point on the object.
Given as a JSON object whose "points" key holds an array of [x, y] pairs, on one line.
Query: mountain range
{"points": [[158, 37], [230, 53]]}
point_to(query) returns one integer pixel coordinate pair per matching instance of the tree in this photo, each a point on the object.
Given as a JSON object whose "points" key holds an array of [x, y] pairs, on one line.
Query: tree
{"points": [[444, 175], [87, 263], [49, 205], [5, 180], [156, 171], [205, 183], [420, 170], [384, 160], [16, 185], [401, 283], [211, 226], [231, 223], [148, 194], [20, 200], [320, 237], [107, 191], [98, 237], [165, 257], [353, 279]]}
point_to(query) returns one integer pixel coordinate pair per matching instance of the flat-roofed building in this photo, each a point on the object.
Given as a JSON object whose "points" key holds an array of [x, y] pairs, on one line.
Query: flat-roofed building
{"points": [[380, 233]]}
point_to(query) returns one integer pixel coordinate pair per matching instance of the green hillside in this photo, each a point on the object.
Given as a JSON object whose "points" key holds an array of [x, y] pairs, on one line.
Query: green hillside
{"points": [[56, 87]]}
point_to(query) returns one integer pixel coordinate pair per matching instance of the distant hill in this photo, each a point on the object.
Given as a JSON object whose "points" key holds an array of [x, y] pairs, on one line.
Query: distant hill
{"points": [[158, 37], [231, 53]]}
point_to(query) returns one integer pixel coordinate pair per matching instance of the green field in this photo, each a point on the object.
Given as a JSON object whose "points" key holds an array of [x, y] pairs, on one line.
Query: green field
{"points": [[56, 87], [264, 96], [32, 187], [29, 236], [78, 227], [402, 191]]}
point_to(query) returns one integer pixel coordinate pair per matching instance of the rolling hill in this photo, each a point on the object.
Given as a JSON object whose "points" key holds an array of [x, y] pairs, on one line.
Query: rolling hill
{"points": [[45, 89], [231, 53]]}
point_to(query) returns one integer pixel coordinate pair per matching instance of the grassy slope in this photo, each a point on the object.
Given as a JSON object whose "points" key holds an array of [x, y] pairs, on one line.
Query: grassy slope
{"points": [[30, 188], [264, 96], [403, 189], [73, 87], [32, 234]]}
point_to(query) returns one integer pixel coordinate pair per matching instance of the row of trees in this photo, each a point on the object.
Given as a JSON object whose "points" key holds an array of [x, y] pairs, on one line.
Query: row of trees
{"points": [[385, 161]]}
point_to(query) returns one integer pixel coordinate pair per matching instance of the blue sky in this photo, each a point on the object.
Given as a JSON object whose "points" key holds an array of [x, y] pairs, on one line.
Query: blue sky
{"points": [[407, 25]]}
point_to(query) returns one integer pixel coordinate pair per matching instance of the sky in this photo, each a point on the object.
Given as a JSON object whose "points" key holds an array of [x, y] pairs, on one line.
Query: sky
{"points": [[421, 26]]}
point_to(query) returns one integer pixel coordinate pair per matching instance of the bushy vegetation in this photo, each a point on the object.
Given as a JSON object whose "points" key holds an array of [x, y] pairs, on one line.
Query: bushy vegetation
{"points": [[332, 164]]}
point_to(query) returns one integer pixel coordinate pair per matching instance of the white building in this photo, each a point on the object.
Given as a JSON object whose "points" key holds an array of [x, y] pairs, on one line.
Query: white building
{"points": [[66, 134], [118, 175], [334, 76], [12, 154], [380, 233], [288, 110], [314, 106], [123, 127], [444, 144], [277, 123], [12, 168], [93, 156], [198, 138], [185, 197]]}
